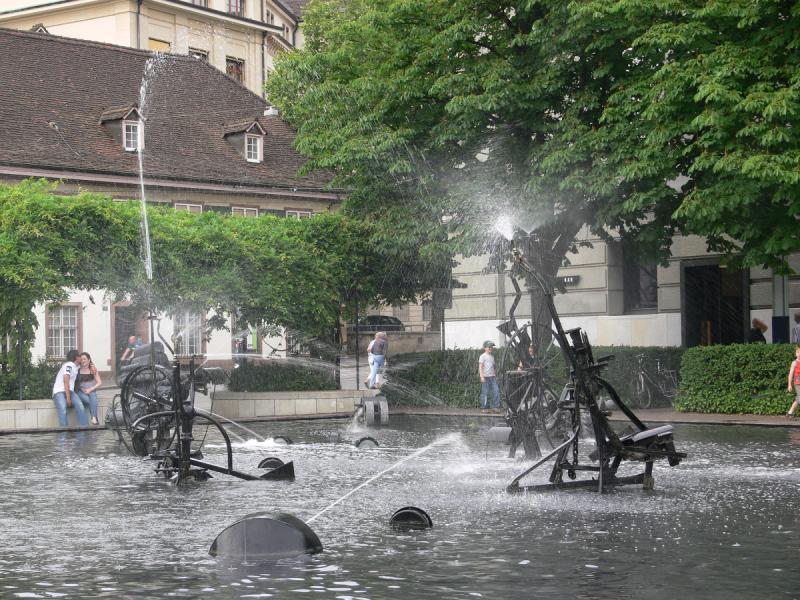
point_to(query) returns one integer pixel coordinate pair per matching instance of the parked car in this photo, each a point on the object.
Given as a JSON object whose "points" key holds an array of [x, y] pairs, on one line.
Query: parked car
{"points": [[372, 323]]}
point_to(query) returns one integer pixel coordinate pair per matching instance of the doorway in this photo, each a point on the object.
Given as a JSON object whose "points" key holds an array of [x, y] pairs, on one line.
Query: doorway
{"points": [[714, 305], [128, 321]]}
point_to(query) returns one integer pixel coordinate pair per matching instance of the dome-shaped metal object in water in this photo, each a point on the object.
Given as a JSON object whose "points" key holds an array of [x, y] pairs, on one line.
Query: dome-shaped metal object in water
{"points": [[276, 468], [410, 517], [265, 536], [366, 442], [282, 439], [271, 462]]}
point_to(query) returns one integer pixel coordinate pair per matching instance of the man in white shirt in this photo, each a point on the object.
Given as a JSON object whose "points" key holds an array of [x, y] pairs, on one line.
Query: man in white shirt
{"points": [[63, 388], [486, 371]]}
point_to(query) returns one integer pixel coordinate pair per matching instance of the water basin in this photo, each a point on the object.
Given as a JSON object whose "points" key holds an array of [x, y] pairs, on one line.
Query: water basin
{"points": [[83, 519]]}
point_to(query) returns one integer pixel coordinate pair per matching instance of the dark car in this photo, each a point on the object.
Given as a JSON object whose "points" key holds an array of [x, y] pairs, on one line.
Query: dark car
{"points": [[373, 323]]}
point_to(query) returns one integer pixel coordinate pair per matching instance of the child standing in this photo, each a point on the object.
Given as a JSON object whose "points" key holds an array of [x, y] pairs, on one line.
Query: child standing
{"points": [[794, 380]]}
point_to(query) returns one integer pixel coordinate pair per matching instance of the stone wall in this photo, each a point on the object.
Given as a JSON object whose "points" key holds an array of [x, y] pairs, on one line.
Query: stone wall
{"points": [[33, 415]]}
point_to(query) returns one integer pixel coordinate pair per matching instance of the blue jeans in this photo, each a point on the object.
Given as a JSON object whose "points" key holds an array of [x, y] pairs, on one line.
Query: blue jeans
{"points": [[377, 365], [89, 400], [60, 399], [487, 383]]}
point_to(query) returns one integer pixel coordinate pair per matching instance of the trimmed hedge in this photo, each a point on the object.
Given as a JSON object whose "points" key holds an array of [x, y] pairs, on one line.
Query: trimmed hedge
{"points": [[450, 377], [37, 382], [282, 376], [737, 378]]}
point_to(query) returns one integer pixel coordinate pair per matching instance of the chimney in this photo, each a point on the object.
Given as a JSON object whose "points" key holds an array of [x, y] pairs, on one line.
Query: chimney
{"points": [[271, 112]]}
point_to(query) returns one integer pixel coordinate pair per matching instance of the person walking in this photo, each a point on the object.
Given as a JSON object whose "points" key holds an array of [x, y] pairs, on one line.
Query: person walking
{"points": [[370, 360], [379, 348], [488, 375], [87, 383], [62, 391], [794, 381], [796, 329]]}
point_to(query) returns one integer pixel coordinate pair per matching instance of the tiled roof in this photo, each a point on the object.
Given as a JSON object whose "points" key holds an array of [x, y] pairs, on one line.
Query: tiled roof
{"points": [[56, 90], [295, 6]]}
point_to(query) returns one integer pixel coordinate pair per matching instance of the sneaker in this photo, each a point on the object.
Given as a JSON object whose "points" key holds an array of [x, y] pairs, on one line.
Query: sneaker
{"points": [[485, 411], [94, 420]]}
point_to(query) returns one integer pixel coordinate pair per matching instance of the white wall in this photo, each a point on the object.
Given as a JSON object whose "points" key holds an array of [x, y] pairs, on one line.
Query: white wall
{"points": [[662, 329]]}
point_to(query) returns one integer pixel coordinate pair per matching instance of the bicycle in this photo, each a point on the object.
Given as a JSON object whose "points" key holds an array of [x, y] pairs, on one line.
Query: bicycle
{"points": [[664, 382]]}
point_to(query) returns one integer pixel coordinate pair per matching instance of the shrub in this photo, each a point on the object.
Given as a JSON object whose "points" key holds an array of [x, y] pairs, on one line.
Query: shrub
{"points": [[450, 377], [281, 376], [737, 378], [37, 382]]}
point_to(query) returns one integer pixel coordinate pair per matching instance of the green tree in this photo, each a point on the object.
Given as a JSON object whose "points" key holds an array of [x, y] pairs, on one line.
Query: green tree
{"points": [[269, 271], [468, 111], [717, 106]]}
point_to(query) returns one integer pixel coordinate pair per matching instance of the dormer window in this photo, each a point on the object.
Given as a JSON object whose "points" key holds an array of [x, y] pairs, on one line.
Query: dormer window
{"points": [[247, 138], [133, 135], [253, 145], [126, 125]]}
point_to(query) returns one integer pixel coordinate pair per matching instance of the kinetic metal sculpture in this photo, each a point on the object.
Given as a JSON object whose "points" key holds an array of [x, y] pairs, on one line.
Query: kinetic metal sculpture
{"points": [[157, 412], [582, 393]]}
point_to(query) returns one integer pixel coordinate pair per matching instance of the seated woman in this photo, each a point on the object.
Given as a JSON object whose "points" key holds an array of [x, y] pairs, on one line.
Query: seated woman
{"points": [[86, 384], [530, 361]]}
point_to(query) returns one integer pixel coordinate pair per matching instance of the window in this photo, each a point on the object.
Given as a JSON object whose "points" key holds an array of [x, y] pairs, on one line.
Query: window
{"points": [[269, 17], [286, 32], [253, 147], [192, 208], [158, 45], [133, 137], [235, 68], [203, 3], [244, 212], [236, 7], [427, 310], [401, 311], [640, 285], [199, 54], [299, 214], [188, 334], [62, 330]]}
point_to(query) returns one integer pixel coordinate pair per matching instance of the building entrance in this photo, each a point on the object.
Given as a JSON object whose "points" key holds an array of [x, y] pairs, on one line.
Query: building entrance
{"points": [[128, 321], [714, 305]]}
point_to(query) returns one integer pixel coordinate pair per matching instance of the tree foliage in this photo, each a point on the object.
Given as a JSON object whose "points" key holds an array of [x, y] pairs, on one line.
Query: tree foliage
{"points": [[269, 270], [715, 99], [558, 114]]}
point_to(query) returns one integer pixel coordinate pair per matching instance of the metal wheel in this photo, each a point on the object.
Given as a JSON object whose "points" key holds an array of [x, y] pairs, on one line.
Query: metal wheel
{"points": [[146, 391], [642, 392]]}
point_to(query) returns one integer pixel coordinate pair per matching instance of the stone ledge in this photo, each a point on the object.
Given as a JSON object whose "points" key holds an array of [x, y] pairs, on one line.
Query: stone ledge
{"points": [[40, 415]]}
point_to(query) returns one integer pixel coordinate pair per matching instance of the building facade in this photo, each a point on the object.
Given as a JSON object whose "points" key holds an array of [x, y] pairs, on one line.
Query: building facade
{"points": [[694, 300], [79, 112], [238, 37]]}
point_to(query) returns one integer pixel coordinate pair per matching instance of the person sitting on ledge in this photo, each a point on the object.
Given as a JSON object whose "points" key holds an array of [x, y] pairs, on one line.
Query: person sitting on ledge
{"points": [[63, 395]]}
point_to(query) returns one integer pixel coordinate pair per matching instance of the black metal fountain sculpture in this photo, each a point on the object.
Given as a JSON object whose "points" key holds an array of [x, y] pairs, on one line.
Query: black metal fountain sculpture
{"points": [[157, 413], [531, 408]]}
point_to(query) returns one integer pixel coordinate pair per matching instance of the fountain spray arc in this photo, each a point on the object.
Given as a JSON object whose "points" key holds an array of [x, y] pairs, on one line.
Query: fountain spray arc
{"points": [[157, 399], [581, 393]]}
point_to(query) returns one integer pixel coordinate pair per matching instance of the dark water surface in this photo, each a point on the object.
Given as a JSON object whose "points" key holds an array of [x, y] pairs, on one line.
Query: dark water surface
{"points": [[82, 519]]}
